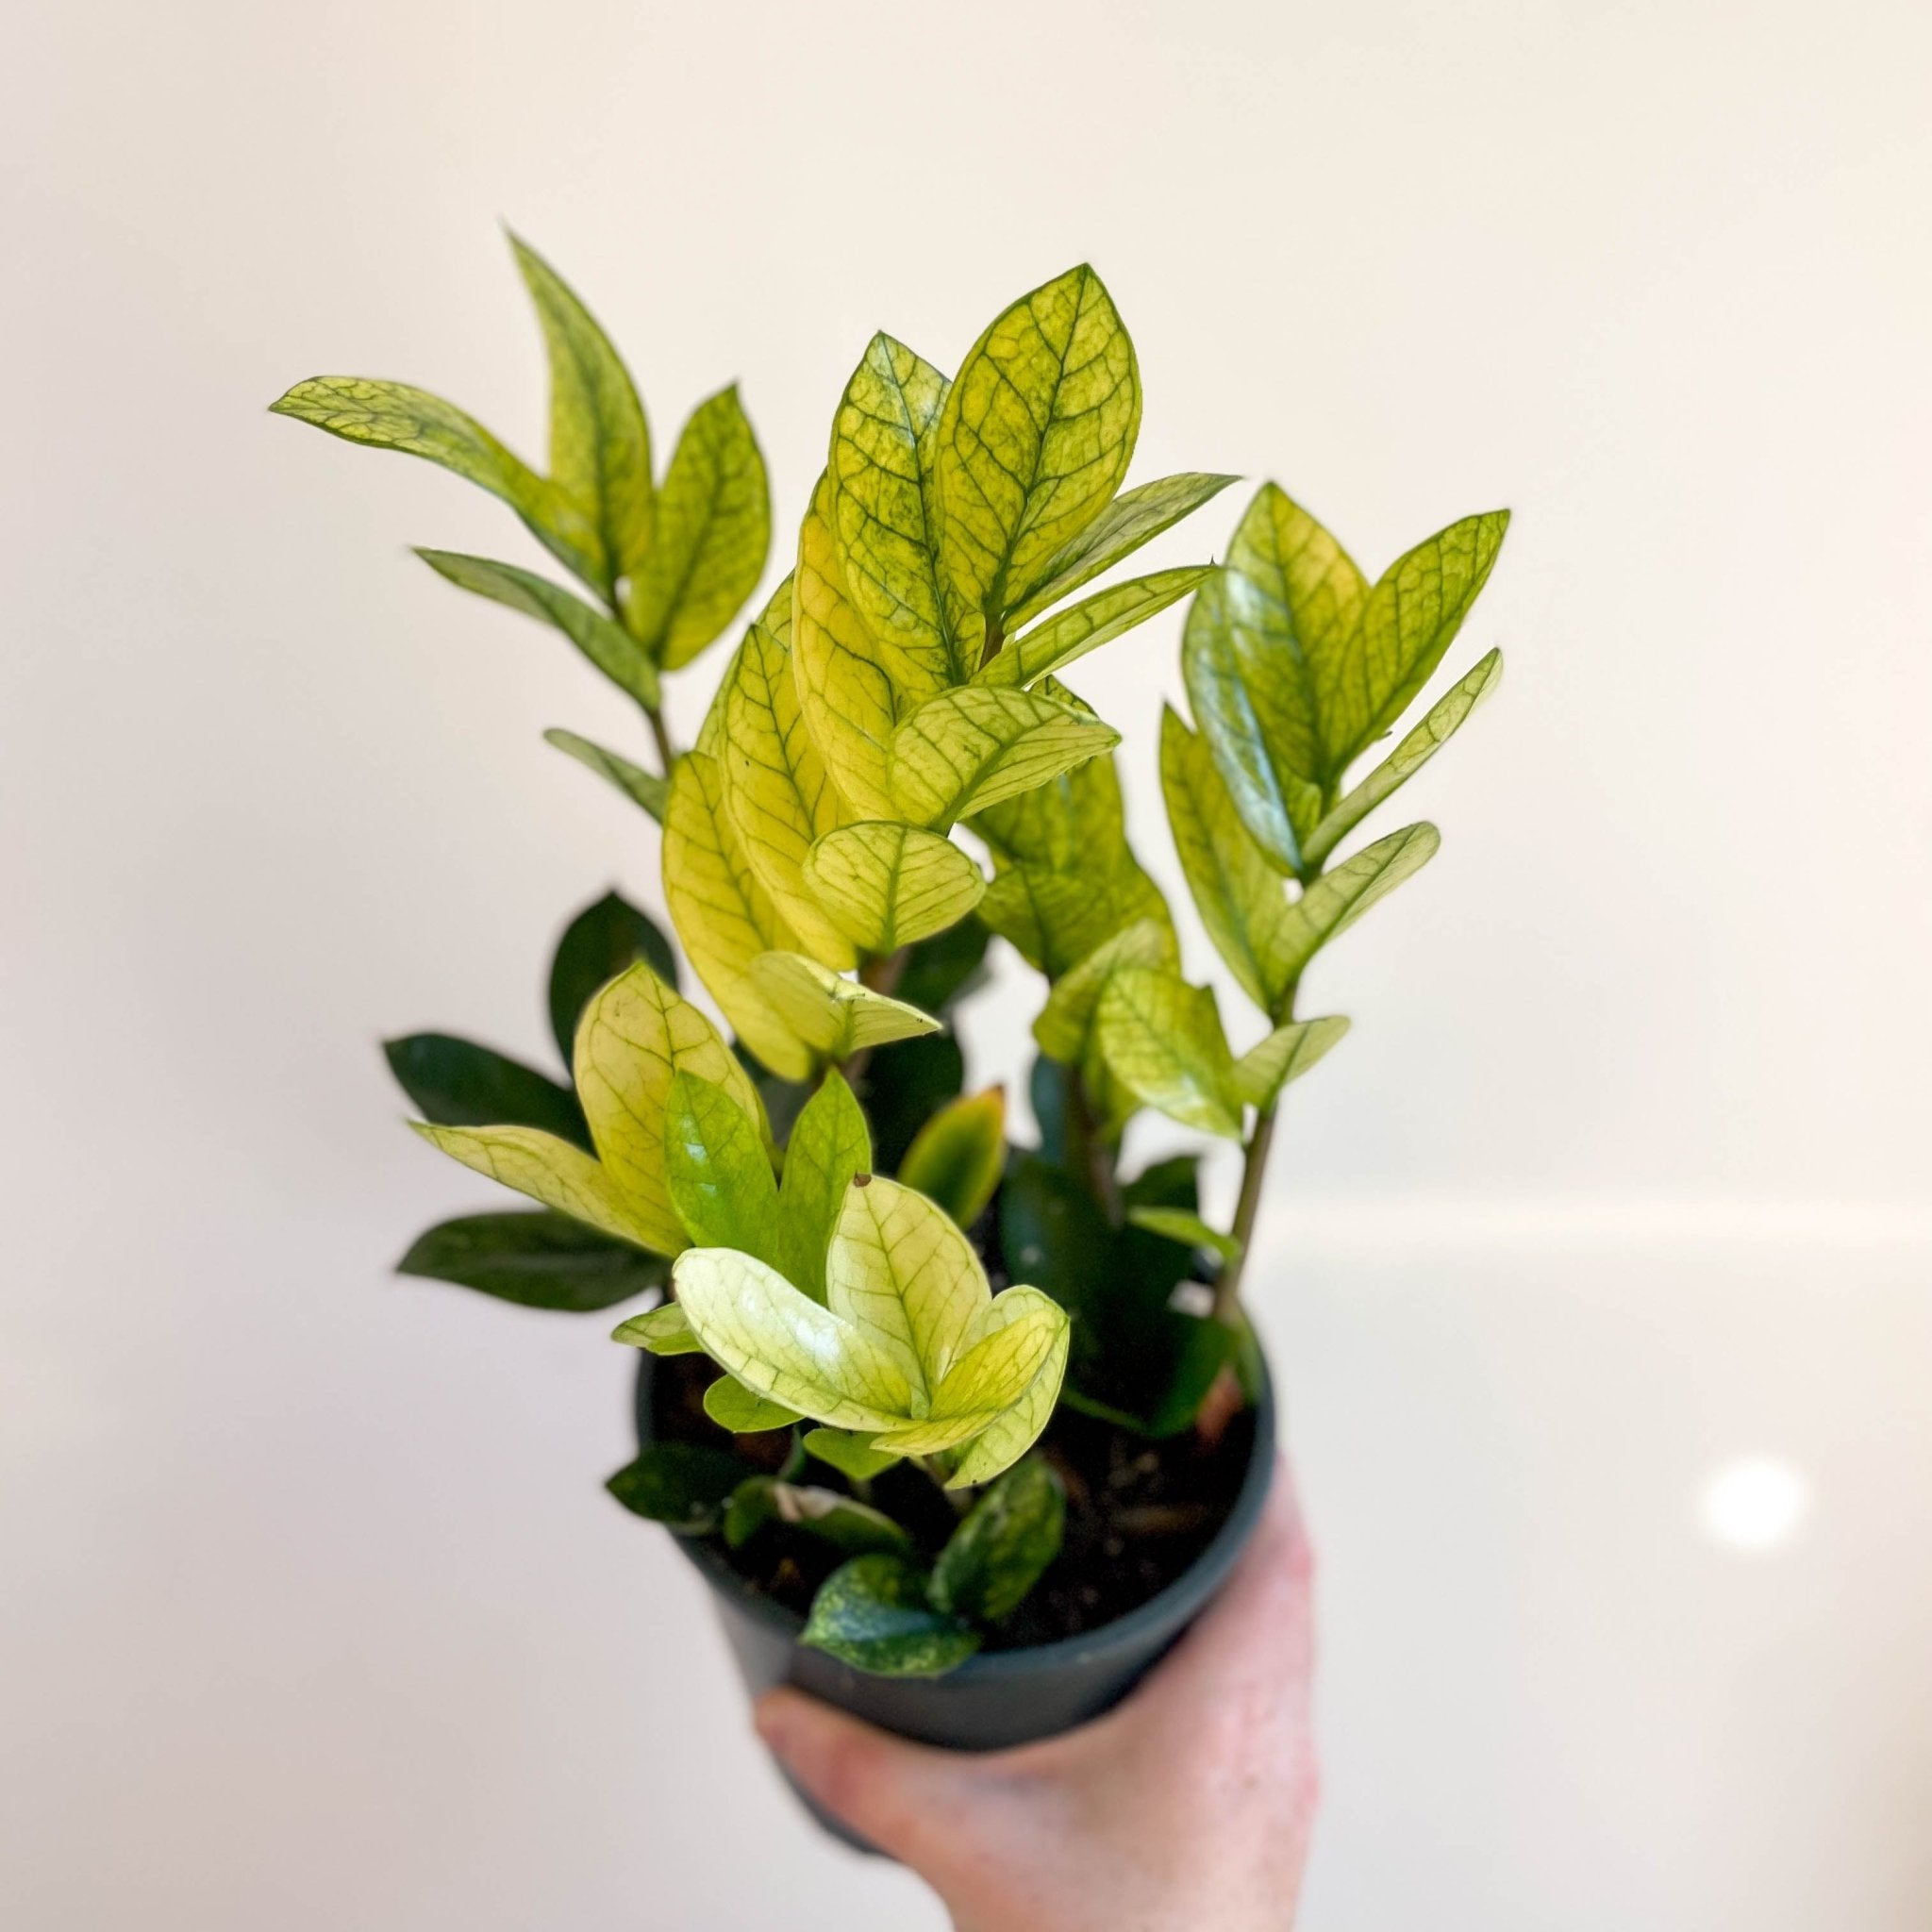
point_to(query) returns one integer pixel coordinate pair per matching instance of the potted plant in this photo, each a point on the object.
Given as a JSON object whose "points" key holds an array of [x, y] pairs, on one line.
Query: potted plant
{"points": [[961, 1432]]}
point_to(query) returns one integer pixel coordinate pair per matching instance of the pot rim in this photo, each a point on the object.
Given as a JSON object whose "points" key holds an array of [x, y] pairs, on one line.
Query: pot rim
{"points": [[1216, 1560]]}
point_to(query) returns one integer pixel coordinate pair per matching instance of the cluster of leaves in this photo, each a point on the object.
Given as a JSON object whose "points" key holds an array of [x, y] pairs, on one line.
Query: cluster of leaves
{"points": [[900, 687]]}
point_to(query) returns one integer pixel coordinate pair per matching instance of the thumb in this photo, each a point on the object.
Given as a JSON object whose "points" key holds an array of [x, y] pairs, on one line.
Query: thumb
{"points": [[890, 1791]]}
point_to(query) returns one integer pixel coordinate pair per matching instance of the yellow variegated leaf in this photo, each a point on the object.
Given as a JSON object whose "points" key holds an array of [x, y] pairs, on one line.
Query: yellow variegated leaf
{"points": [[843, 692], [1161, 1039], [392, 415], [1338, 898], [785, 1346], [1055, 916], [723, 916], [834, 1017], [1000, 1392], [712, 531], [633, 1037], [1035, 436], [885, 885], [559, 1176], [1286, 1055], [1134, 517], [1407, 760], [663, 1330], [900, 1270], [956, 1158], [971, 748], [1065, 1026], [1408, 621], [883, 514], [1243, 901], [1017, 1427], [776, 788], [1084, 626], [600, 444]]}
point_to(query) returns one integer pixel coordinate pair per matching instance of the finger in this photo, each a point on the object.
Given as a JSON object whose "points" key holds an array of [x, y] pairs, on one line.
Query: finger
{"points": [[890, 1791]]}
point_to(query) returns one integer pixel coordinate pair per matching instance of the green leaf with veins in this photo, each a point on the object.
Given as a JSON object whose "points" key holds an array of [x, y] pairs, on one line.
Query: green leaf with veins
{"points": [[1000, 1551], [846, 1523], [712, 533], [958, 1156], [661, 1330], [873, 1614], [1408, 621], [1064, 1029], [885, 885], [1249, 695], [558, 1174], [643, 788], [393, 415], [1241, 898], [1134, 517], [718, 1173], [1069, 634], [1407, 760], [971, 748], [1286, 1055], [1161, 1039], [607, 938], [682, 1485], [458, 1084], [829, 1146], [1035, 435], [1336, 900], [600, 444], [1177, 1225], [834, 1017], [606, 644], [743, 1411], [851, 1454], [883, 513], [540, 1261]]}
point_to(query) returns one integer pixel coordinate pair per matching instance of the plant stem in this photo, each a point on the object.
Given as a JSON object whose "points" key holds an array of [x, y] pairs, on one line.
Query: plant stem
{"points": [[667, 751], [1228, 1291], [995, 637], [1087, 1151]]}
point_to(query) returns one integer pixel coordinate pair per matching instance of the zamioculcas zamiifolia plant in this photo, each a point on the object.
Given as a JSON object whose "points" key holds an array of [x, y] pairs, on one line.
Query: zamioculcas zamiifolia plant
{"points": [[934, 1392]]}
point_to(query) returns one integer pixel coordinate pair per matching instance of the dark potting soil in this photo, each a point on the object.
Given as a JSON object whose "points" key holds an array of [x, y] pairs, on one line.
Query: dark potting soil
{"points": [[1139, 1512]]}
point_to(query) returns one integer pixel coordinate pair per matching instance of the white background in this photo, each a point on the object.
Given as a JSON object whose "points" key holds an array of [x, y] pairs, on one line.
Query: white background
{"points": [[314, 1614]]}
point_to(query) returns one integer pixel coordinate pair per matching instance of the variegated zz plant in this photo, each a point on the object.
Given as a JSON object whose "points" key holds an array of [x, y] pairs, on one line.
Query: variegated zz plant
{"points": [[815, 1188]]}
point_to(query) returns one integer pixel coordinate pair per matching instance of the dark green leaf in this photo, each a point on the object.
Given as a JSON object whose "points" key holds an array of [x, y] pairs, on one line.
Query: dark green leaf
{"points": [[873, 1613], [997, 1555], [903, 1086], [945, 968], [458, 1084], [683, 1484], [1046, 1087], [604, 939], [540, 1261]]}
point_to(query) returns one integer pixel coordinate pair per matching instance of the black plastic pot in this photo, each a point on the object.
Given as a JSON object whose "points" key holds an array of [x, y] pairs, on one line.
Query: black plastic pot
{"points": [[1000, 1698]]}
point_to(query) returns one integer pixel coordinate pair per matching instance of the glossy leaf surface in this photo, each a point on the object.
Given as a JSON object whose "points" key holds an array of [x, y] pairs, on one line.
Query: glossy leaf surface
{"points": [[873, 1613], [538, 1261]]}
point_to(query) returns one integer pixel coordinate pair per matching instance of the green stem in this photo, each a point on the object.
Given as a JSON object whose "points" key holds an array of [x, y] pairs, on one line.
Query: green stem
{"points": [[1228, 1291], [667, 750], [1089, 1153]]}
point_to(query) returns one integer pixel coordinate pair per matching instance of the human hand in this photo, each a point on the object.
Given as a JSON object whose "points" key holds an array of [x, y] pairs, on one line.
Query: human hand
{"points": [[1188, 1809]]}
